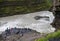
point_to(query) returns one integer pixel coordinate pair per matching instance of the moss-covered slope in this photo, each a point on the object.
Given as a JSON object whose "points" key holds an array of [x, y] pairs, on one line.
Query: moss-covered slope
{"points": [[11, 7]]}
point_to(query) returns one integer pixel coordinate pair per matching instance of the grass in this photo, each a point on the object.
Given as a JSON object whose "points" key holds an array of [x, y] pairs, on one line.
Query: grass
{"points": [[51, 35]]}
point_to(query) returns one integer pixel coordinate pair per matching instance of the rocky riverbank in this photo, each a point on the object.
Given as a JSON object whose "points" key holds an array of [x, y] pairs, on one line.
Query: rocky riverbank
{"points": [[17, 34]]}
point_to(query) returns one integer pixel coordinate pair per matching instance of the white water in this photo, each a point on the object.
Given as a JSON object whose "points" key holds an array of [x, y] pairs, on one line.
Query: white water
{"points": [[28, 21]]}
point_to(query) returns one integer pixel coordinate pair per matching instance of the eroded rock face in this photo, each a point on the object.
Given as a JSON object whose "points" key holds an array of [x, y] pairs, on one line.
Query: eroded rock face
{"points": [[39, 21]]}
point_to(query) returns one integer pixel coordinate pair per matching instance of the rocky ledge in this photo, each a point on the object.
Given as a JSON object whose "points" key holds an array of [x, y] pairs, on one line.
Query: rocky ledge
{"points": [[19, 34]]}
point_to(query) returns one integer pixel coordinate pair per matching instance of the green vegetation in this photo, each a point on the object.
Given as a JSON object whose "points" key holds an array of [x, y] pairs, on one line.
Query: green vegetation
{"points": [[23, 6], [52, 35]]}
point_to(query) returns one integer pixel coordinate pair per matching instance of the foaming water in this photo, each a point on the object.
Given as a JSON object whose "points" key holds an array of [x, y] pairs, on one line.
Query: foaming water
{"points": [[41, 25]]}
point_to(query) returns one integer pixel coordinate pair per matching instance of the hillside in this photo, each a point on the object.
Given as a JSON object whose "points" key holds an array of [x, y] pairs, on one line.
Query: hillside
{"points": [[12, 7]]}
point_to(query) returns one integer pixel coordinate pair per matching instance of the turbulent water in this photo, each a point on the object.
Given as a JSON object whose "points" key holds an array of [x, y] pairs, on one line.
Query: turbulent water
{"points": [[39, 21]]}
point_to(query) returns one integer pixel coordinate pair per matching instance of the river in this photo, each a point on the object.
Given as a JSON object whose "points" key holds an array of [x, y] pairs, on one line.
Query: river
{"points": [[41, 24]]}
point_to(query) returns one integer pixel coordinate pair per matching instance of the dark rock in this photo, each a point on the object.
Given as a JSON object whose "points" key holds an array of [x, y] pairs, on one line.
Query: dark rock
{"points": [[14, 31], [37, 17], [55, 39]]}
